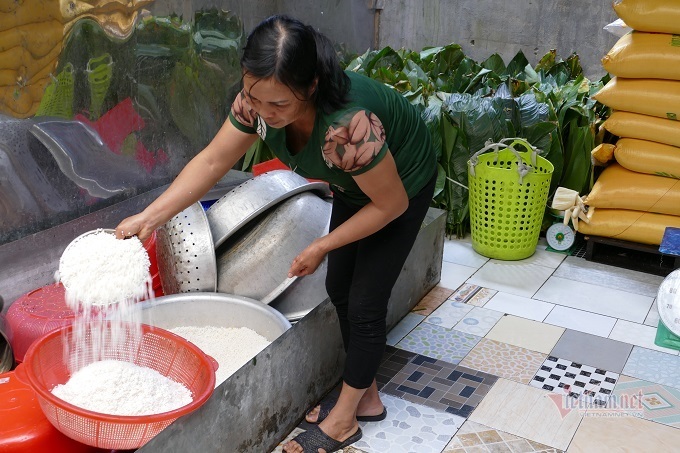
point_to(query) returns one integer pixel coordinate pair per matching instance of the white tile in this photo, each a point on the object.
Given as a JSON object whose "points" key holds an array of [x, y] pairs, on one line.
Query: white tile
{"points": [[406, 325], [454, 275], [460, 252], [513, 277], [652, 318], [580, 270], [580, 320], [545, 258], [637, 334], [523, 307], [596, 299]]}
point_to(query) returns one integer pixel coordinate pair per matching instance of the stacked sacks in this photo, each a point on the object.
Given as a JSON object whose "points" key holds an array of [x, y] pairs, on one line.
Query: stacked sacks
{"points": [[639, 196]]}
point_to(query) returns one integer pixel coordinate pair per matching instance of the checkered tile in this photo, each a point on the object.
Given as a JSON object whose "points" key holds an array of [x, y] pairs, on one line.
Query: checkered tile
{"points": [[578, 380]]}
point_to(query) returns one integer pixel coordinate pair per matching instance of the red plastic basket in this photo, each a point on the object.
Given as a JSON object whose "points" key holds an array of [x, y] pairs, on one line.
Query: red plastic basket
{"points": [[171, 355]]}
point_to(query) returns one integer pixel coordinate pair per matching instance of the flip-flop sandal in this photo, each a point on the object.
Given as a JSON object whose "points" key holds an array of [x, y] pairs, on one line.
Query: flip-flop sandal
{"points": [[373, 418], [327, 405], [313, 439]]}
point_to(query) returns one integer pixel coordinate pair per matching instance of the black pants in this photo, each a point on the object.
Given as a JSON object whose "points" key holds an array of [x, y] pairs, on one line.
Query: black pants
{"points": [[360, 279]]}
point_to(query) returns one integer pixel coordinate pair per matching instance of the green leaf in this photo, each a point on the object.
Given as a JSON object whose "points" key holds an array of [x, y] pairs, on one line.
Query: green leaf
{"points": [[517, 65], [385, 58], [547, 61], [495, 63]]}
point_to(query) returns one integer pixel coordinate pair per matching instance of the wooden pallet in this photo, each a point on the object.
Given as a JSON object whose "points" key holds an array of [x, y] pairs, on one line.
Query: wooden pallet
{"points": [[630, 255]]}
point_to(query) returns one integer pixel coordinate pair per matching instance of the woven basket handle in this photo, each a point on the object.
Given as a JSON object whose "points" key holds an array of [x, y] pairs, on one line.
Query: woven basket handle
{"points": [[522, 168]]}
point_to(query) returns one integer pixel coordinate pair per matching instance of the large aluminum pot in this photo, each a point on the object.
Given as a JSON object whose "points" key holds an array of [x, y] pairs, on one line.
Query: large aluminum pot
{"points": [[253, 197], [256, 261], [214, 309]]}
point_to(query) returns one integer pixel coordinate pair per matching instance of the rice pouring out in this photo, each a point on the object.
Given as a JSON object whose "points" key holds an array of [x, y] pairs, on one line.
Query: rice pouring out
{"points": [[104, 278], [97, 269]]}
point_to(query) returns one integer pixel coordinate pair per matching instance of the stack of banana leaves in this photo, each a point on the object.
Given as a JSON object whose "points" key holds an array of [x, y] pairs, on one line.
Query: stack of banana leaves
{"points": [[466, 103]]}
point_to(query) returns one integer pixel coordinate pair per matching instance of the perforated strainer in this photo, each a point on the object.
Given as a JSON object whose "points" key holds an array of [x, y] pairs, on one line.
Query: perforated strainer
{"points": [[186, 253]]}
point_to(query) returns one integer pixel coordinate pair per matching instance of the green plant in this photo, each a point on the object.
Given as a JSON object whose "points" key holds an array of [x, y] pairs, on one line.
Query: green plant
{"points": [[466, 103]]}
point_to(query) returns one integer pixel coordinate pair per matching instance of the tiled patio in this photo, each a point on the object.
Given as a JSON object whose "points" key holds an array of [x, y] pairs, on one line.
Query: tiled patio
{"points": [[551, 353]]}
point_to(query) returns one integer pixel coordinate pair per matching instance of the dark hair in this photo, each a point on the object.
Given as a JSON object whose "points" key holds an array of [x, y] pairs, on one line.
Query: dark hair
{"points": [[295, 54]]}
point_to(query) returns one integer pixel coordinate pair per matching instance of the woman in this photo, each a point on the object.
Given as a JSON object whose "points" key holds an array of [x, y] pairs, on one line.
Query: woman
{"points": [[372, 147]]}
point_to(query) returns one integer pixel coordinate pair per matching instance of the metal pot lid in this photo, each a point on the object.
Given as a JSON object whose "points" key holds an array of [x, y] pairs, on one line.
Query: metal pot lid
{"points": [[186, 254], [253, 197], [668, 302], [302, 296], [256, 262]]}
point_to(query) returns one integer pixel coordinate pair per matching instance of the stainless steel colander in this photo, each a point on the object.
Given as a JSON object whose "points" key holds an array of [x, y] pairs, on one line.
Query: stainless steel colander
{"points": [[186, 253]]}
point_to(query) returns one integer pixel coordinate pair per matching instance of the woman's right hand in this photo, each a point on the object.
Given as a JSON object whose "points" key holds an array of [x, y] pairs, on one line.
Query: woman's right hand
{"points": [[136, 225]]}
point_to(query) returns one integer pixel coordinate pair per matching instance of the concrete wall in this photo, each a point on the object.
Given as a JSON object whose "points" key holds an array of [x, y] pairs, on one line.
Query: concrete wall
{"points": [[484, 27], [348, 22]]}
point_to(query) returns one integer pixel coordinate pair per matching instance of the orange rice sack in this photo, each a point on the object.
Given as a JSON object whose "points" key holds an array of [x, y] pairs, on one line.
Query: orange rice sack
{"points": [[619, 188], [643, 156], [640, 55], [661, 16], [644, 127], [652, 97], [634, 226]]}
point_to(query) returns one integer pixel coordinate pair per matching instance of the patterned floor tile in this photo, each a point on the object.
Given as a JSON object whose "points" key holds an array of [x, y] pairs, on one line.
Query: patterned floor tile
{"points": [[653, 366], [525, 333], [440, 385], [409, 428], [296, 431], [504, 360], [439, 343], [465, 292], [479, 321], [393, 361], [472, 294], [475, 437], [449, 314], [592, 349], [407, 324], [658, 403], [585, 382], [525, 411], [432, 300], [481, 297]]}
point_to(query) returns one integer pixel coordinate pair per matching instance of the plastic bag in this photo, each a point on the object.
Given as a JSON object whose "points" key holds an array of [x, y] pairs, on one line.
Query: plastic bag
{"points": [[617, 28]]}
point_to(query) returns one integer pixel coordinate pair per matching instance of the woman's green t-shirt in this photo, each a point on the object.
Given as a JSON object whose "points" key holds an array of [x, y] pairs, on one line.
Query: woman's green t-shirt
{"points": [[353, 140]]}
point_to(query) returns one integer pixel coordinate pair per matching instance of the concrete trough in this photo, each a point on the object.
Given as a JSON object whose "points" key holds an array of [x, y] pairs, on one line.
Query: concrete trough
{"points": [[256, 407]]}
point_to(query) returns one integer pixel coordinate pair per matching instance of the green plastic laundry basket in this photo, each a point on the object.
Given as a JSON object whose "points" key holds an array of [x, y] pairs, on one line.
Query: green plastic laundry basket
{"points": [[508, 194]]}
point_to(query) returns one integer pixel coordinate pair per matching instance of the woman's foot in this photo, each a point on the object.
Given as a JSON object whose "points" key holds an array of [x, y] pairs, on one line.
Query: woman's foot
{"points": [[369, 405], [335, 430]]}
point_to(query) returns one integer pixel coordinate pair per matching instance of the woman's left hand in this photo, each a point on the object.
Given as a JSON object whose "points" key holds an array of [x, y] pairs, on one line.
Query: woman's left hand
{"points": [[308, 260]]}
